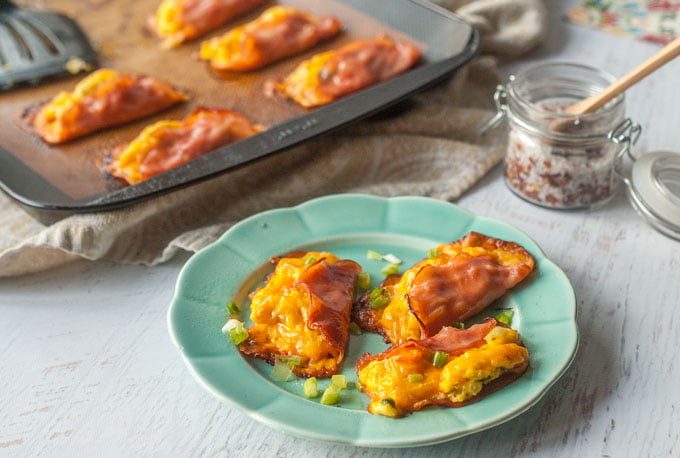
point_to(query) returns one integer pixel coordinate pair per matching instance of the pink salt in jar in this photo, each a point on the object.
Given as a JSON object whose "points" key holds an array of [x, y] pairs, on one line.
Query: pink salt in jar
{"points": [[554, 159]]}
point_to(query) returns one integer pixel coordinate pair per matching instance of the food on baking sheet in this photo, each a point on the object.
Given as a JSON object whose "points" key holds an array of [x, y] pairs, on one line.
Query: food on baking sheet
{"points": [[168, 144], [455, 282], [279, 32], [302, 312], [452, 368], [102, 99], [331, 75], [177, 21]]}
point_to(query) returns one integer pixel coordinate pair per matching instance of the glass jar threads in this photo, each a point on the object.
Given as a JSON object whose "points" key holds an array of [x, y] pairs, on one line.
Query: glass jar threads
{"points": [[554, 159]]}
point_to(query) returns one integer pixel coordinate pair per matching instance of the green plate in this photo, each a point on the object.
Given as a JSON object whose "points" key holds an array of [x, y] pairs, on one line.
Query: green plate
{"points": [[349, 225]]}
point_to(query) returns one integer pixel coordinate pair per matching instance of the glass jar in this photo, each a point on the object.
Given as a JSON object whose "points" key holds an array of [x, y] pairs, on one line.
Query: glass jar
{"points": [[554, 159]]}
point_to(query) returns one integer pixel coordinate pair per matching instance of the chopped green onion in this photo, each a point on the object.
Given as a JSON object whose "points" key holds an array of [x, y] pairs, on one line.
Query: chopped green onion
{"points": [[282, 372], [339, 380], [439, 359], [390, 269], [310, 260], [505, 317], [237, 333], [458, 325], [357, 385], [379, 298], [292, 361], [392, 259], [364, 280], [370, 254], [232, 308], [355, 329], [432, 253], [415, 377], [331, 395], [388, 401], [310, 388]]}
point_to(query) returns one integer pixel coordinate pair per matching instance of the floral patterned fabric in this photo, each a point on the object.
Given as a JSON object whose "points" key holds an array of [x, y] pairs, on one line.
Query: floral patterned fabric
{"points": [[653, 20]]}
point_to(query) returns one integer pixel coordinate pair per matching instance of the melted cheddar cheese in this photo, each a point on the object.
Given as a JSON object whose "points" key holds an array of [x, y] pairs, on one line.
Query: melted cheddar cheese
{"points": [[280, 310], [304, 84], [386, 381]]}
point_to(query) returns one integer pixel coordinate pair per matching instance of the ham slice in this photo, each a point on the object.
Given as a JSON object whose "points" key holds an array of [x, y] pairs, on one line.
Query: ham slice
{"points": [[331, 290], [334, 74], [102, 99], [442, 295], [279, 32], [450, 340], [168, 144], [177, 21]]}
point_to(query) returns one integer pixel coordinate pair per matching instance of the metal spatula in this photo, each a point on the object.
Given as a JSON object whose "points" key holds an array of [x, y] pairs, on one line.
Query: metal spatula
{"points": [[36, 44]]}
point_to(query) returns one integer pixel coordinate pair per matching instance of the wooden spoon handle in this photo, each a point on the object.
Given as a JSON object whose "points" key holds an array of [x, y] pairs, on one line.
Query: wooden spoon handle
{"points": [[668, 53]]}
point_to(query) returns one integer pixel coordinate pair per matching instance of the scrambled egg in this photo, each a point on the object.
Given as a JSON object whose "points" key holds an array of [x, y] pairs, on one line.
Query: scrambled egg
{"points": [[280, 310], [396, 319], [386, 380], [61, 113]]}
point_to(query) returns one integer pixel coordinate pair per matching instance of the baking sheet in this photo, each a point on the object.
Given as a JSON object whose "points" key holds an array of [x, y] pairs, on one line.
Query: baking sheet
{"points": [[67, 178]]}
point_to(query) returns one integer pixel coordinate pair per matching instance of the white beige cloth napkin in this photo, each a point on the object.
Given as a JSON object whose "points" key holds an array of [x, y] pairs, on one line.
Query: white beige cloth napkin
{"points": [[428, 146]]}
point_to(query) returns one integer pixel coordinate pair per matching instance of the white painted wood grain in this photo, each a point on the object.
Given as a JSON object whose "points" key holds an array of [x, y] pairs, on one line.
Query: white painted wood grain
{"points": [[87, 367]]}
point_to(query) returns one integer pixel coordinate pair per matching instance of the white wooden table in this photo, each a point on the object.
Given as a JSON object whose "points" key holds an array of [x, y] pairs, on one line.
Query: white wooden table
{"points": [[87, 367]]}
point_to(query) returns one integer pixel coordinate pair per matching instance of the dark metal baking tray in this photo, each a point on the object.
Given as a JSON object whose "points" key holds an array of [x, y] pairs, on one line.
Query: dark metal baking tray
{"points": [[53, 182]]}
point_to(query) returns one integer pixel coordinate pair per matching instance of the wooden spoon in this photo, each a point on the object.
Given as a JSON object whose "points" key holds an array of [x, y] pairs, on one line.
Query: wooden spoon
{"points": [[668, 53]]}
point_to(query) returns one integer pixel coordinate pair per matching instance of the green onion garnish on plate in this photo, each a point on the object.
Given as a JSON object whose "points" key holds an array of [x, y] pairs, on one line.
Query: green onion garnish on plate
{"points": [[364, 280], [282, 372], [390, 269], [310, 388], [415, 378], [439, 359], [237, 333], [355, 329], [379, 298], [374, 255], [232, 309], [339, 380], [331, 395], [505, 317]]}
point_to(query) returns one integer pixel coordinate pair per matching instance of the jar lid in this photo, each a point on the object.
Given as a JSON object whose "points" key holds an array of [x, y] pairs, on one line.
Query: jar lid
{"points": [[654, 190]]}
